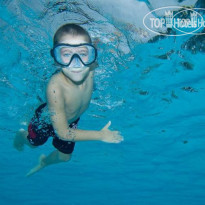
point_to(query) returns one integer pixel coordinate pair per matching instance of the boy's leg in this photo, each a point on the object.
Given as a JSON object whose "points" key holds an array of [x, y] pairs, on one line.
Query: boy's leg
{"points": [[56, 157], [53, 158], [21, 139]]}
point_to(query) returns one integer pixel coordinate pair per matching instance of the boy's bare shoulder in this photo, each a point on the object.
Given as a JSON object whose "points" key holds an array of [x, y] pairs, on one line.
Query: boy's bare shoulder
{"points": [[54, 81], [54, 84]]}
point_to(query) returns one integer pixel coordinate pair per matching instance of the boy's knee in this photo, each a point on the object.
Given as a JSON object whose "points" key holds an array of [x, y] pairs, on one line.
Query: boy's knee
{"points": [[64, 157], [22, 132]]}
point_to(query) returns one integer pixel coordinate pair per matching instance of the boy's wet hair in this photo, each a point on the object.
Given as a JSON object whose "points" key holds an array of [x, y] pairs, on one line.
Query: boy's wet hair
{"points": [[71, 29]]}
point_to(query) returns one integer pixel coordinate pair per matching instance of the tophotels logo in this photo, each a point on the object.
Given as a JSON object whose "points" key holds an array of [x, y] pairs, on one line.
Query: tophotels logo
{"points": [[178, 20]]}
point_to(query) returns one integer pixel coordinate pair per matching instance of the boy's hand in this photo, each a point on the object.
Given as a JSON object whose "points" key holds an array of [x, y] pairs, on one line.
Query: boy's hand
{"points": [[110, 136]]}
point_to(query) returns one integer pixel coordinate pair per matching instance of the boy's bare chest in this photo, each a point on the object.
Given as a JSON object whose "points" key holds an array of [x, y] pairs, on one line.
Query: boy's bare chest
{"points": [[77, 100]]}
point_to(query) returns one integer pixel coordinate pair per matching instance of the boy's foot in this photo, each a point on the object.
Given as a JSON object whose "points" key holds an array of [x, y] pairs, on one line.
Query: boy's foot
{"points": [[19, 140], [37, 168]]}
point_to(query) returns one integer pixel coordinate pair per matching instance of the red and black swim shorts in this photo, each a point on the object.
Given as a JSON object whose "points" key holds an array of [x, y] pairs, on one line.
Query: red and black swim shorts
{"points": [[39, 132]]}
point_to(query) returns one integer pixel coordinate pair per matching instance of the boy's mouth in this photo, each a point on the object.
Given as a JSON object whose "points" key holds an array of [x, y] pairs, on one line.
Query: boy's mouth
{"points": [[76, 71]]}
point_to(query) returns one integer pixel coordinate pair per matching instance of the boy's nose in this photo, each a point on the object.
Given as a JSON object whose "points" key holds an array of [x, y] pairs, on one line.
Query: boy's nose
{"points": [[76, 63]]}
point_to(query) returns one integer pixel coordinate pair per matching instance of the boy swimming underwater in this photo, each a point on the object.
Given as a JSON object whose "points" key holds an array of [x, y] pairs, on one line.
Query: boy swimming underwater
{"points": [[68, 96]]}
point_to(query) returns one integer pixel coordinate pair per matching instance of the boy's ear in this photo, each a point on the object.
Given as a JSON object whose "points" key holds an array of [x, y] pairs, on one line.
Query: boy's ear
{"points": [[94, 65]]}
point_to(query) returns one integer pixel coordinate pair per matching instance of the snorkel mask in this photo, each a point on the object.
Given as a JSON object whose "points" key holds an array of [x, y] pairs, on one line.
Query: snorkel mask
{"points": [[76, 56]]}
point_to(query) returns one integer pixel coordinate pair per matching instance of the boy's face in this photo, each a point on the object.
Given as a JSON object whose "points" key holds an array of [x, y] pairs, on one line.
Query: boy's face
{"points": [[76, 71]]}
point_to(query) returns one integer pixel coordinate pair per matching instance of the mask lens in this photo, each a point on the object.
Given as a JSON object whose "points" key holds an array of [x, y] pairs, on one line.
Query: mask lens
{"points": [[64, 53]]}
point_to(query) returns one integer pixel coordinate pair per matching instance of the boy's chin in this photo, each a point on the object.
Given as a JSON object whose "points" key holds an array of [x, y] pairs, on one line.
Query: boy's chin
{"points": [[76, 79]]}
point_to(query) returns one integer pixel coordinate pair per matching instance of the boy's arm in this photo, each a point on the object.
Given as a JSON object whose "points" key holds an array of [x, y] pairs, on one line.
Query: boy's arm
{"points": [[61, 127]]}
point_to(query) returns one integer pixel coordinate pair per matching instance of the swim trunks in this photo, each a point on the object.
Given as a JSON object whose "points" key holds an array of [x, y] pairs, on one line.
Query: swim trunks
{"points": [[39, 131]]}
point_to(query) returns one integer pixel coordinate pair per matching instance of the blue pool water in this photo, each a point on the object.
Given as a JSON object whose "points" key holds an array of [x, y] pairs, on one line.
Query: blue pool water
{"points": [[152, 91]]}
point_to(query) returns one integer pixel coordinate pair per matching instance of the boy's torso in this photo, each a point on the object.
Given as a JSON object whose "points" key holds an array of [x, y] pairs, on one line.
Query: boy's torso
{"points": [[76, 99]]}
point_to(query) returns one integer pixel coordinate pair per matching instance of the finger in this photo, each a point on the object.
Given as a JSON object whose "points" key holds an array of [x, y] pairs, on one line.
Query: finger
{"points": [[116, 141], [119, 138], [107, 125], [118, 134]]}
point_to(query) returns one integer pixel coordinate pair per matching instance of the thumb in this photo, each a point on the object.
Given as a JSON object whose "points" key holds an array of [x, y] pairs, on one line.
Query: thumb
{"points": [[107, 125]]}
